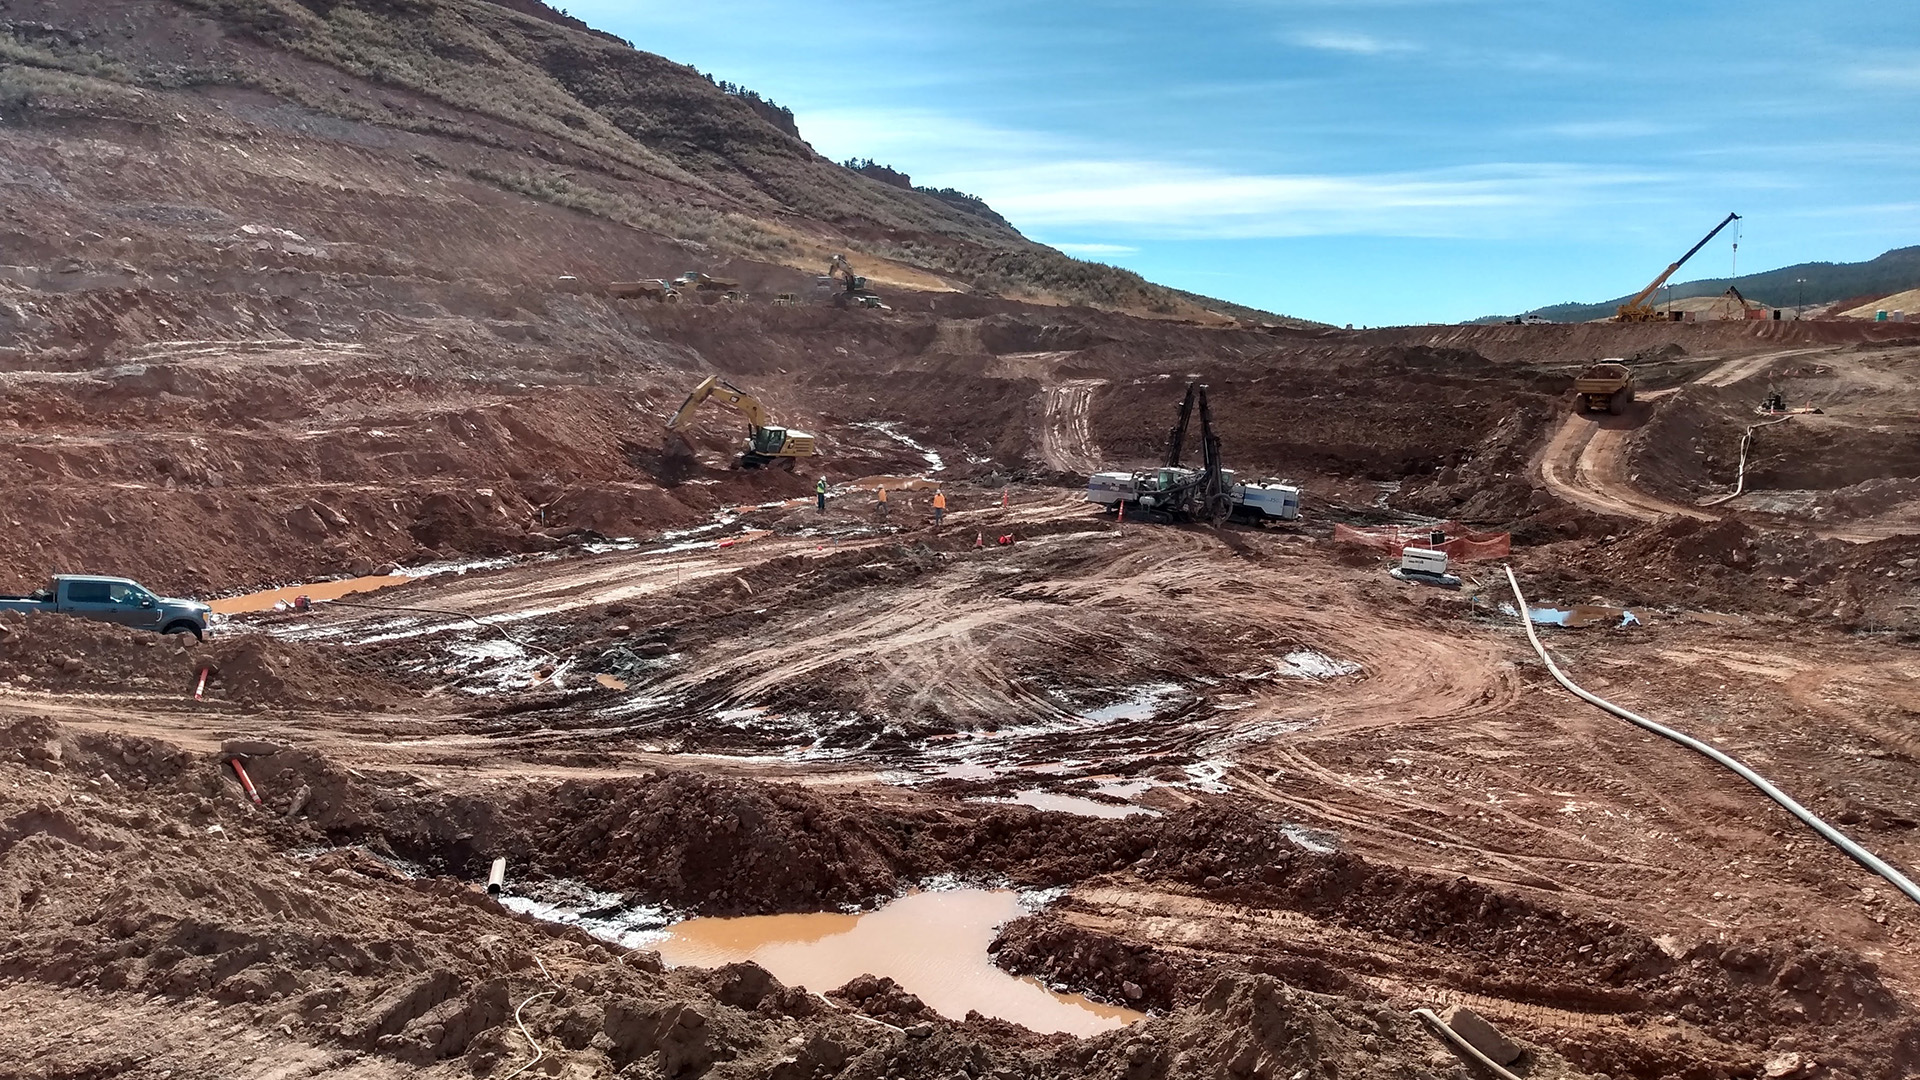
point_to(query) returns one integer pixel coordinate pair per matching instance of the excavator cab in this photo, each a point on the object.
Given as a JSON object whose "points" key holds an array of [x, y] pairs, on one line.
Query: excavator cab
{"points": [[769, 442]]}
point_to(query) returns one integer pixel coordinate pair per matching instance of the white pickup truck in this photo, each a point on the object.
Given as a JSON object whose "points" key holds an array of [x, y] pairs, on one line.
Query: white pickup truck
{"points": [[1263, 501], [116, 600]]}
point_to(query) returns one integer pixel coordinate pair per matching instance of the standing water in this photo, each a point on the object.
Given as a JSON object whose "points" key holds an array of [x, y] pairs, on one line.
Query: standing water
{"points": [[319, 590], [934, 944]]}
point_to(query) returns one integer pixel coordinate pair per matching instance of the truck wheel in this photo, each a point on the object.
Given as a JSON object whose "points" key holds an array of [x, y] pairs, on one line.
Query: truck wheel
{"points": [[183, 628], [1617, 404]]}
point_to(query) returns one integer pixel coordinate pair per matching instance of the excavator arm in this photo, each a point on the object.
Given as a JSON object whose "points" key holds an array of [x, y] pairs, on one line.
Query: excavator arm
{"points": [[1639, 299], [716, 387], [684, 416]]}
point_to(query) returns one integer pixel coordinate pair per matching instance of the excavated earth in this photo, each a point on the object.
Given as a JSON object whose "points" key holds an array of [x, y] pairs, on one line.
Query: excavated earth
{"points": [[246, 342]]}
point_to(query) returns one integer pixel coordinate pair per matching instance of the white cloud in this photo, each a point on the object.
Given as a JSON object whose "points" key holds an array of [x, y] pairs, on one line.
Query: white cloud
{"points": [[1348, 41], [1887, 77], [1611, 129], [1095, 249], [1045, 183], [1144, 198]]}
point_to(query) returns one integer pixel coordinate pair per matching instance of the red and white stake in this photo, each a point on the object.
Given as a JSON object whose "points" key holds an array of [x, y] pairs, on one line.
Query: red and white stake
{"points": [[201, 689], [245, 782]]}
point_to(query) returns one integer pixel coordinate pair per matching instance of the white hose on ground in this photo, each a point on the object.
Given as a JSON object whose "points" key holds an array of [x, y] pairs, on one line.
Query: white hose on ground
{"points": [[1832, 835], [1451, 1036], [537, 1052], [1740, 478]]}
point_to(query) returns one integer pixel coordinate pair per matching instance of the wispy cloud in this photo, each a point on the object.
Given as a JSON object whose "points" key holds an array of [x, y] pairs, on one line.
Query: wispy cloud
{"points": [[1145, 198], [1886, 76], [1096, 249], [1352, 42], [1609, 129], [1045, 182]]}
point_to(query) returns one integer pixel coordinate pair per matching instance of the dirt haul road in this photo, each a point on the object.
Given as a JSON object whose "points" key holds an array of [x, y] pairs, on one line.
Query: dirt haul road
{"points": [[1591, 459], [1585, 463]]}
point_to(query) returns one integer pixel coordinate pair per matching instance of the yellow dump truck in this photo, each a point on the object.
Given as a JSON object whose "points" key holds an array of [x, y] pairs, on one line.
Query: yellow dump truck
{"points": [[1604, 387]]}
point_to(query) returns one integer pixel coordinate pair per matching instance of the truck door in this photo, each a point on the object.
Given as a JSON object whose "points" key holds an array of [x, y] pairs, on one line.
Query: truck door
{"points": [[90, 600], [134, 606]]}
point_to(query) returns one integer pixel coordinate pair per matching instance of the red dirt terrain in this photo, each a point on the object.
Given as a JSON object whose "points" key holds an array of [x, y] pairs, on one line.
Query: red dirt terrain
{"points": [[294, 292]]}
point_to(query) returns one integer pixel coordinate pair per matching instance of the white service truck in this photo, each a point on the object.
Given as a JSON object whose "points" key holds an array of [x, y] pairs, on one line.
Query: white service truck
{"points": [[1265, 500]]}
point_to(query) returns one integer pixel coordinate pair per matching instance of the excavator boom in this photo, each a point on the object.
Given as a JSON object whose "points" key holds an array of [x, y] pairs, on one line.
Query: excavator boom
{"points": [[714, 386], [1632, 308]]}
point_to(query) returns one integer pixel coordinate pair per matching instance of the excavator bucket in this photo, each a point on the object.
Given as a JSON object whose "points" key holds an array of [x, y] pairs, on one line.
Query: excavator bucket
{"points": [[678, 462]]}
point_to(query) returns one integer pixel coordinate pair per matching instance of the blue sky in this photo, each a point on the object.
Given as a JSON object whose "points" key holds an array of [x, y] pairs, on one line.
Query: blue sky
{"points": [[1366, 161]]}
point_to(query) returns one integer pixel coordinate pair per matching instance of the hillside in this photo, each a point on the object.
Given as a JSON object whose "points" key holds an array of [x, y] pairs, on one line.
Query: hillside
{"points": [[589, 122], [1826, 283]]}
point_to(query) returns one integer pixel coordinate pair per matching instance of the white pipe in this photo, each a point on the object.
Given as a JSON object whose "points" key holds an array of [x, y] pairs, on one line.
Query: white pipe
{"points": [[1832, 835], [1740, 478], [1441, 1029], [497, 877], [537, 1052]]}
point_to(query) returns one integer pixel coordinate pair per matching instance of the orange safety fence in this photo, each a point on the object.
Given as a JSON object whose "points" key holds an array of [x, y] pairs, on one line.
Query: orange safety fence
{"points": [[1460, 544]]}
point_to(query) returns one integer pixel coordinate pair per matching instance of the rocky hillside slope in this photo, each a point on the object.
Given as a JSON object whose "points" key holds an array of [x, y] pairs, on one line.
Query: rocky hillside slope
{"points": [[585, 122]]}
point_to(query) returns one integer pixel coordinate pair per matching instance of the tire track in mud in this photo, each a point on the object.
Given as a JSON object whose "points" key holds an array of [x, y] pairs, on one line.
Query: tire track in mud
{"points": [[1212, 932], [1066, 440], [1004, 649]]}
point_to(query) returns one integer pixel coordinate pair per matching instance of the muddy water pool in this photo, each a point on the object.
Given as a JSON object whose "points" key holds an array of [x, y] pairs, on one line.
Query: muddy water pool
{"points": [[934, 944], [318, 591]]}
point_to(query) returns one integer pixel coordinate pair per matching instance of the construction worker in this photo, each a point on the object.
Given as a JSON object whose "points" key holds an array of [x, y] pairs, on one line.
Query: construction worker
{"points": [[939, 507], [881, 505], [820, 495]]}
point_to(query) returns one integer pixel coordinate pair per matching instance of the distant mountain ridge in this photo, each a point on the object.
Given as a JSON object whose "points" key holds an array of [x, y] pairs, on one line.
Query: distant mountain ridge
{"points": [[1826, 282]]}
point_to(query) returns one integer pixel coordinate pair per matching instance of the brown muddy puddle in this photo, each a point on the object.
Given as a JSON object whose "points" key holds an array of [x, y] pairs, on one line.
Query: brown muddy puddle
{"points": [[318, 591], [934, 944]]}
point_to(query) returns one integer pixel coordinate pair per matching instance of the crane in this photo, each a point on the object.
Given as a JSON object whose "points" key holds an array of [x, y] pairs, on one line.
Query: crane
{"points": [[1637, 309], [765, 442]]}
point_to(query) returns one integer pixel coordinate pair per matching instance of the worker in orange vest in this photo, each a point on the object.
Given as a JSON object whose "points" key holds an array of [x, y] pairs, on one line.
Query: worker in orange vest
{"points": [[881, 506], [939, 507]]}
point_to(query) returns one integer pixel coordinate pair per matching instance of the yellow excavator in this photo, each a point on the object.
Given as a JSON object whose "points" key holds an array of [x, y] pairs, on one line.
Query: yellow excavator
{"points": [[853, 287], [766, 443], [1637, 309]]}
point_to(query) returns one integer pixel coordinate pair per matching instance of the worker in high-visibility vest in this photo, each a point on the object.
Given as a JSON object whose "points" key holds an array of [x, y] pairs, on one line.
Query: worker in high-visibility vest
{"points": [[880, 506], [939, 507], [820, 495]]}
